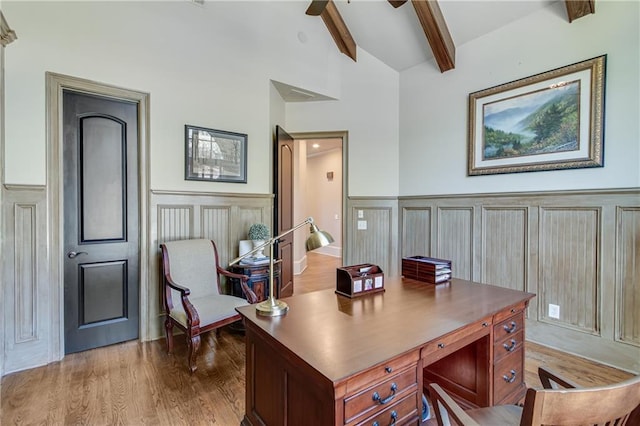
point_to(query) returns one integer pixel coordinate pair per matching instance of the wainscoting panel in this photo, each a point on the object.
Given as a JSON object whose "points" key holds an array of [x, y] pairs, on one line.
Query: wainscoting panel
{"points": [[416, 232], [568, 267], [455, 239], [377, 244], [175, 222], [26, 295], [25, 284], [215, 226], [504, 246], [627, 283], [579, 250], [224, 218]]}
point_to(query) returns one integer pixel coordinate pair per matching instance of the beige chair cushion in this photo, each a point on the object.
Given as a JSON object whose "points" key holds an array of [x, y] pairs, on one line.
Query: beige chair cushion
{"points": [[192, 265], [210, 308]]}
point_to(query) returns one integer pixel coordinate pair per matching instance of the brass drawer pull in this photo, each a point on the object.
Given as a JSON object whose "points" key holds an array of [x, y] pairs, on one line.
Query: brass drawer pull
{"points": [[512, 328], [376, 396], [510, 379], [510, 348]]}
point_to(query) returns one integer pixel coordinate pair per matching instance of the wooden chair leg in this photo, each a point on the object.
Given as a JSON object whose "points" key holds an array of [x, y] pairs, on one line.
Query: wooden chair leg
{"points": [[194, 345], [168, 327]]}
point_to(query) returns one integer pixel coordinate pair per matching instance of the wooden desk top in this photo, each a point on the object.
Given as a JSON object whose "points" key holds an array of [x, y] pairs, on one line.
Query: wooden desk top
{"points": [[339, 336]]}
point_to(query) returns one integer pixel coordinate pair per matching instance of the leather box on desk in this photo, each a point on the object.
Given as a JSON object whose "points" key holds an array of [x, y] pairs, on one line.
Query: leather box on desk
{"points": [[427, 269], [358, 280]]}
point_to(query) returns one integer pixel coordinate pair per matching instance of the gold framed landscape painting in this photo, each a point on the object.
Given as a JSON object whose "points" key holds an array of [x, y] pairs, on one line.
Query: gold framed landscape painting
{"points": [[548, 121]]}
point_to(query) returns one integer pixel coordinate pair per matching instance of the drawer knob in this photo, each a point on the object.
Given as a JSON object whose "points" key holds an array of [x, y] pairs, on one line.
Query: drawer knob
{"points": [[392, 393], [388, 369], [441, 345], [485, 324], [511, 347], [512, 328], [510, 379]]}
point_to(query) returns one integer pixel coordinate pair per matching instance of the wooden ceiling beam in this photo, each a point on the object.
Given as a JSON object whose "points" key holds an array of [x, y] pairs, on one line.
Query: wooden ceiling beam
{"points": [[338, 30], [397, 3], [438, 36], [579, 8]]}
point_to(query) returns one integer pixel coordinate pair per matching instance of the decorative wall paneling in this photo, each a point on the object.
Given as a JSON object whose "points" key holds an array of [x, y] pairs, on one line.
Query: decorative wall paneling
{"points": [[579, 250], [26, 295], [628, 275], [7, 35], [224, 218], [377, 243]]}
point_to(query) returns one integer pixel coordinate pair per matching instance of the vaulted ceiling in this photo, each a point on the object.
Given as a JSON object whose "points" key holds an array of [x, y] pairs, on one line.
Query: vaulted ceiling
{"points": [[405, 33]]}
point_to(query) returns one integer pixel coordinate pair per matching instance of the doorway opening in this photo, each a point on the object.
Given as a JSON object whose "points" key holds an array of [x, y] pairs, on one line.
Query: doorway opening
{"points": [[319, 191]]}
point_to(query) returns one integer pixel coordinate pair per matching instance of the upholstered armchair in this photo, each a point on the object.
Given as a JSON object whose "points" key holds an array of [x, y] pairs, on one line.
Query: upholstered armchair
{"points": [[193, 299]]}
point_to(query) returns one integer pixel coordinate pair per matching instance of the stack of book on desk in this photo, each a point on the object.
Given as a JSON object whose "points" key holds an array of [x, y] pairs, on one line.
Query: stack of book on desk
{"points": [[428, 269]]}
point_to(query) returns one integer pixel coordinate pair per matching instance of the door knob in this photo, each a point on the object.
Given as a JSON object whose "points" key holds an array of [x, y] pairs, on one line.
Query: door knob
{"points": [[73, 254]]}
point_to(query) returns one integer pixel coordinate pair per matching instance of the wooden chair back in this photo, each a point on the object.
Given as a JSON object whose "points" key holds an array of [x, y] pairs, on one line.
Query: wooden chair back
{"points": [[603, 405]]}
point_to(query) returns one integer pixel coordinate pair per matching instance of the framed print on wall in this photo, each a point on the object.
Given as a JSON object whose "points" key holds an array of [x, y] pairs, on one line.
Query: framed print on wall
{"points": [[548, 121], [215, 155]]}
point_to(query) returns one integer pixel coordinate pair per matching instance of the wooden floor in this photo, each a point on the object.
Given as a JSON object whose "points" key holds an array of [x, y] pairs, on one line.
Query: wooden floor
{"points": [[138, 383]]}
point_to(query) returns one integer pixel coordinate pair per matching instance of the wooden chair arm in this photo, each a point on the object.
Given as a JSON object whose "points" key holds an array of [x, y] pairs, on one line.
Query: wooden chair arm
{"points": [[184, 291], [440, 399], [192, 315], [248, 293], [549, 377]]}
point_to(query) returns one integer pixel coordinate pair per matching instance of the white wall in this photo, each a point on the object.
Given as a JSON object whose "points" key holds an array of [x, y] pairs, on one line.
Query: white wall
{"points": [[368, 110], [325, 200], [433, 106], [205, 65]]}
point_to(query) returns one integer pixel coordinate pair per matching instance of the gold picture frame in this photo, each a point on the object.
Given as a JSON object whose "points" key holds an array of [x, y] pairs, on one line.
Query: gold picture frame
{"points": [[549, 121]]}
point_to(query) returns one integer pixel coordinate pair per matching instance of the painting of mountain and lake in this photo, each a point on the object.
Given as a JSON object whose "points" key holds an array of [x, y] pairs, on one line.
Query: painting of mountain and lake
{"points": [[539, 122]]}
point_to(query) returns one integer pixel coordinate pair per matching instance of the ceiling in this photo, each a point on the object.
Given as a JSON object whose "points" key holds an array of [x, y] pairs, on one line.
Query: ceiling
{"points": [[395, 36]]}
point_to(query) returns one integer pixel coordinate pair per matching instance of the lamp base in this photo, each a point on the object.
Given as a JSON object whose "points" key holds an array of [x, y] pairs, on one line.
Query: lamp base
{"points": [[272, 308]]}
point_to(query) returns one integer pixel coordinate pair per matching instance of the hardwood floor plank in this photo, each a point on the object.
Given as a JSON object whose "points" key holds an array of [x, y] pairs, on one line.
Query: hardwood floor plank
{"points": [[137, 383]]}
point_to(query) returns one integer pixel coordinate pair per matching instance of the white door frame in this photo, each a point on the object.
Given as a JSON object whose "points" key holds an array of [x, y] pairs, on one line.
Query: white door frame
{"points": [[55, 84]]}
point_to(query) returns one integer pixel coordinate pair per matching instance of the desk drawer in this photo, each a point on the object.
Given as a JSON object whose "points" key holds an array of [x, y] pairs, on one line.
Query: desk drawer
{"points": [[402, 412], [381, 395], [382, 372], [508, 374], [450, 343], [508, 327], [508, 345]]}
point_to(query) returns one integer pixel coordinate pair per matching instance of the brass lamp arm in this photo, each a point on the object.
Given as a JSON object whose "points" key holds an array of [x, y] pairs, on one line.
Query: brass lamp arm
{"points": [[271, 241]]}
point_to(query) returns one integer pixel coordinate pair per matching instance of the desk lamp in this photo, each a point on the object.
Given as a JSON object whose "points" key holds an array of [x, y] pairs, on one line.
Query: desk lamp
{"points": [[273, 307]]}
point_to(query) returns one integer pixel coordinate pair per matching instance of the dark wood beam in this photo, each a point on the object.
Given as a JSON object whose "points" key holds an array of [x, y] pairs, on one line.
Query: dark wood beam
{"points": [[338, 30], [579, 8], [316, 7], [397, 3], [438, 36]]}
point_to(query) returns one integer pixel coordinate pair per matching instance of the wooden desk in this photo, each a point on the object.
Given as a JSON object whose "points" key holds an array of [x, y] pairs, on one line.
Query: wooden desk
{"points": [[334, 360]]}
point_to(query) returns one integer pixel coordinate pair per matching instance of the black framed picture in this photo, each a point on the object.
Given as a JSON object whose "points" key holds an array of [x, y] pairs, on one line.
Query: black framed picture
{"points": [[215, 155]]}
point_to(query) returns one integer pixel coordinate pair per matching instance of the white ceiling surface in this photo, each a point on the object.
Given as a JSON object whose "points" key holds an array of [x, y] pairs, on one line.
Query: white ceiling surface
{"points": [[395, 36]]}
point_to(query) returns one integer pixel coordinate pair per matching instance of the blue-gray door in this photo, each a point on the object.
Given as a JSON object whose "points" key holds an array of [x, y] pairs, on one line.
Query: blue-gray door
{"points": [[101, 237]]}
